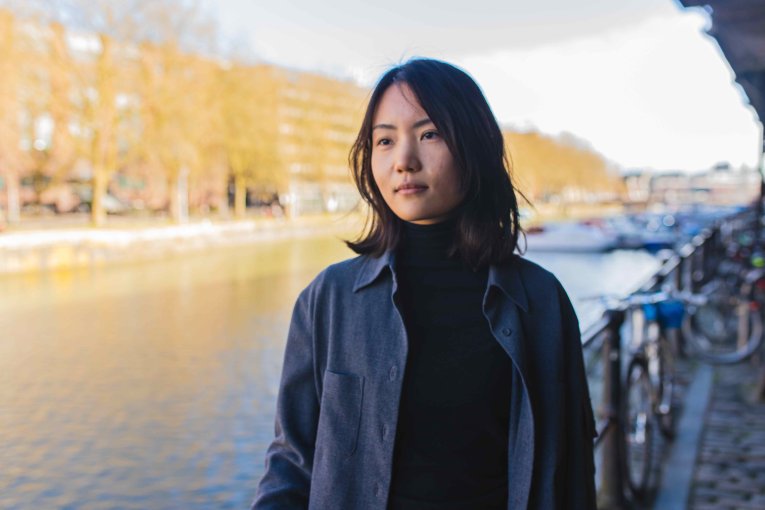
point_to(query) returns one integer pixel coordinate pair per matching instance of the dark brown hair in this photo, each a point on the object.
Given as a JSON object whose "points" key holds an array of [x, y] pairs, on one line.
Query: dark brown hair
{"points": [[487, 219]]}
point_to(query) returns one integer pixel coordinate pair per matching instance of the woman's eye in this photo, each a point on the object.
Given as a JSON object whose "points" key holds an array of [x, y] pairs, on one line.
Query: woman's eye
{"points": [[430, 135], [383, 141]]}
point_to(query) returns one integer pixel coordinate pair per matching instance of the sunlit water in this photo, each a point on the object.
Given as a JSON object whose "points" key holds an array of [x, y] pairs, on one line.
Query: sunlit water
{"points": [[153, 385]]}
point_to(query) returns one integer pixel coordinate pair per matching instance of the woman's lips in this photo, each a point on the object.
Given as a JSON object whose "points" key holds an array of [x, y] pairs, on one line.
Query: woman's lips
{"points": [[411, 189]]}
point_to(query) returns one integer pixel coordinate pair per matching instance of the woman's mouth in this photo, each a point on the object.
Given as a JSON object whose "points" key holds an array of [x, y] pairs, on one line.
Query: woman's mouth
{"points": [[411, 188]]}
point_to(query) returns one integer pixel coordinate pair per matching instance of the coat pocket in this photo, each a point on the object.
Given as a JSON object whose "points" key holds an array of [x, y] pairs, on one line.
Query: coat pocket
{"points": [[340, 413]]}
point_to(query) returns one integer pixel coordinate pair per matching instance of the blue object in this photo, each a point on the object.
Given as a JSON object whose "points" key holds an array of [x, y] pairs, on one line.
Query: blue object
{"points": [[651, 312], [671, 313]]}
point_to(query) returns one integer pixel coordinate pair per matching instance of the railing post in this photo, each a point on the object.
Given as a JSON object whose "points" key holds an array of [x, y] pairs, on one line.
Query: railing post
{"points": [[611, 496], [697, 266], [707, 248], [686, 273], [717, 248]]}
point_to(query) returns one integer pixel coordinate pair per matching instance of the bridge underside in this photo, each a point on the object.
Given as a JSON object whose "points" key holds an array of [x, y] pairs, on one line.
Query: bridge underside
{"points": [[739, 28]]}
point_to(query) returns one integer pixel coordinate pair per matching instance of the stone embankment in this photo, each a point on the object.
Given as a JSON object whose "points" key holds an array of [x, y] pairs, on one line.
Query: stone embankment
{"points": [[25, 250]]}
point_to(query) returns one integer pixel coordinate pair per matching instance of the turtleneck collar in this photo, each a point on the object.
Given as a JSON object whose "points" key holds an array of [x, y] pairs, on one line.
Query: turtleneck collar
{"points": [[428, 242]]}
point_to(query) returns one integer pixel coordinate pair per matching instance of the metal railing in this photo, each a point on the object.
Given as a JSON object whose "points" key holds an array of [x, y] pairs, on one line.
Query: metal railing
{"points": [[605, 344]]}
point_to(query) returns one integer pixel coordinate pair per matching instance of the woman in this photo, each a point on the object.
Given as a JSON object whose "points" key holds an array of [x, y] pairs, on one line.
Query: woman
{"points": [[436, 370]]}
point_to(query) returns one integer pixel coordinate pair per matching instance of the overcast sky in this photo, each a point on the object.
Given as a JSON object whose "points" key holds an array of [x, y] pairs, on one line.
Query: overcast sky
{"points": [[638, 79]]}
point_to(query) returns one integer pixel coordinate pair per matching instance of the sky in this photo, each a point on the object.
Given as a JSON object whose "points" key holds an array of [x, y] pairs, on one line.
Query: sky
{"points": [[638, 80]]}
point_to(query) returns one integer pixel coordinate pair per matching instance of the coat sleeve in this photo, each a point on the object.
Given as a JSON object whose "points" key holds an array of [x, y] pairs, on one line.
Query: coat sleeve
{"points": [[289, 459], [580, 490]]}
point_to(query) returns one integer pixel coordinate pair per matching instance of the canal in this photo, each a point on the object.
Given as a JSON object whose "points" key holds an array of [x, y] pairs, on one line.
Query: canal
{"points": [[153, 385]]}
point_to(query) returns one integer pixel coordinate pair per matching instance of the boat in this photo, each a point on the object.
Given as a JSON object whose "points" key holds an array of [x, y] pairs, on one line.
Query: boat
{"points": [[570, 237], [637, 233]]}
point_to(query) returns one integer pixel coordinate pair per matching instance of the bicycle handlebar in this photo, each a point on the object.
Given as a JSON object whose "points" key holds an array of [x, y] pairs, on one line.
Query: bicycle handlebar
{"points": [[623, 303]]}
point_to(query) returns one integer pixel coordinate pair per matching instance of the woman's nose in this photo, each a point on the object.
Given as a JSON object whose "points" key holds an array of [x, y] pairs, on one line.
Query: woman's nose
{"points": [[407, 159]]}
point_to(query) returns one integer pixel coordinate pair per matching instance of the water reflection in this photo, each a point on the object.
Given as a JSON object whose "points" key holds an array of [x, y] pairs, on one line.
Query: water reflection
{"points": [[153, 385], [146, 386]]}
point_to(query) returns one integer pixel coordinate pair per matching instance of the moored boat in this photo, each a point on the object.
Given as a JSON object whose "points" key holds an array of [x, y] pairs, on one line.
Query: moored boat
{"points": [[570, 237]]}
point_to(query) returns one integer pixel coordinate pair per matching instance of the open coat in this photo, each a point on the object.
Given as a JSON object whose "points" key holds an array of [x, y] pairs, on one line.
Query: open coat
{"points": [[341, 382]]}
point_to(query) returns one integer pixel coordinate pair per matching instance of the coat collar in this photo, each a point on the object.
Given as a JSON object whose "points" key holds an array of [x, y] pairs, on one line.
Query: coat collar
{"points": [[505, 277]]}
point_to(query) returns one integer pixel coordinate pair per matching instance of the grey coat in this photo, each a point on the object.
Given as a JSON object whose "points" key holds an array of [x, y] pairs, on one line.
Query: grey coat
{"points": [[344, 364]]}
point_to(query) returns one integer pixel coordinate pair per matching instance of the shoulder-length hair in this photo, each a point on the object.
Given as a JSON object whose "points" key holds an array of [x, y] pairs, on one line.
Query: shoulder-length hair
{"points": [[487, 219]]}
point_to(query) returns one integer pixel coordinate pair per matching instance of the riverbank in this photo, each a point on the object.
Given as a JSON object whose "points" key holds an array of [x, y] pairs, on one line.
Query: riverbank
{"points": [[543, 213], [47, 246], [59, 242]]}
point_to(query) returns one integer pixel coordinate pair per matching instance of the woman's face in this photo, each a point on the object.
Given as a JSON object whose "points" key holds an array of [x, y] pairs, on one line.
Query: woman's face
{"points": [[411, 163]]}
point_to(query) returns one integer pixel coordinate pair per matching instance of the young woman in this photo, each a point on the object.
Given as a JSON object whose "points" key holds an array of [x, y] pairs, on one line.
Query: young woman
{"points": [[438, 369]]}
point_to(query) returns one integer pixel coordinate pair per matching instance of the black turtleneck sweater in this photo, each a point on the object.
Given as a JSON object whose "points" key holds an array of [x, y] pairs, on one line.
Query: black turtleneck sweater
{"points": [[451, 441]]}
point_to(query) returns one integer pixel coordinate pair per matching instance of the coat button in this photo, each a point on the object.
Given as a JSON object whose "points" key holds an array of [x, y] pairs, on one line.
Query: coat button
{"points": [[378, 489], [507, 331], [384, 431], [392, 373]]}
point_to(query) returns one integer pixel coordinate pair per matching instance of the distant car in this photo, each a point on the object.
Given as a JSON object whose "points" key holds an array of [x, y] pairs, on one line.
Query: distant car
{"points": [[112, 205], [61, 198]]}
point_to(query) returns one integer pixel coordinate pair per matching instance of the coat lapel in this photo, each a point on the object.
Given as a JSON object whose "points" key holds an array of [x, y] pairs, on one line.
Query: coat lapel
{"points": [[502, 308]]}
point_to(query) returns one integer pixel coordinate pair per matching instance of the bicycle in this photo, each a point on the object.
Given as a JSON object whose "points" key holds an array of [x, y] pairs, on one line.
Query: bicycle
{"points": [[648, 389], [638, 430], [650, 379], [663, 315], [724, 324]]}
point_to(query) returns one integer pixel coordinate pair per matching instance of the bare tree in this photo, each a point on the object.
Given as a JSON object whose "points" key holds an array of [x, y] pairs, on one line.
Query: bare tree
{"points": [[175, 117], [59, 65], [248, 105], [12, 158], [104, 88], [544, 166], [133, 85]]}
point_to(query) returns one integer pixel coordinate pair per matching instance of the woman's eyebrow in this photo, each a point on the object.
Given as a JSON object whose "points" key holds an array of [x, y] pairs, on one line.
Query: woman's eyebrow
{"points": [[417, 124], [422, 122]]}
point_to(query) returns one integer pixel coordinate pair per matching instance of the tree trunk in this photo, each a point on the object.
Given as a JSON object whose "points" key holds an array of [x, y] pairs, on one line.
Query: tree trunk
{"points": [[240, 196], [99, 184], [179, 196], [10, 106], [13, 202], [104, 144]]}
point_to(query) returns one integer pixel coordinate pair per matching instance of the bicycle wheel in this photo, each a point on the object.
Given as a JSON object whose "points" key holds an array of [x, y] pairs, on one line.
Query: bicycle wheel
{"points": [[726, 329], [665, 398], [637, 425], [660, 361]]}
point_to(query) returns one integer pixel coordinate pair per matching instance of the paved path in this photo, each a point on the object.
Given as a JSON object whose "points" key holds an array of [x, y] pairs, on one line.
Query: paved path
{"points": [[723, 468], [730, 468]]}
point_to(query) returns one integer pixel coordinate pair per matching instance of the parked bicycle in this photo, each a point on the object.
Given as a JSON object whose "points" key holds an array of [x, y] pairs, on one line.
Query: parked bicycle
{"points": [[638, 383], [648, 392], [725, 316]]}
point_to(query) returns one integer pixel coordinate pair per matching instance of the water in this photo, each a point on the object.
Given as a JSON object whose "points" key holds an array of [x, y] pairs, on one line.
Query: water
{"points": [[588, 276], [153, 385]]}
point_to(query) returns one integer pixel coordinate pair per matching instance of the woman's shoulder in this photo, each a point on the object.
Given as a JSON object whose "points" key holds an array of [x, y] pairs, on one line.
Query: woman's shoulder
{"points": [[531, 273], [540, 284], [339, 275], [531, 268]]}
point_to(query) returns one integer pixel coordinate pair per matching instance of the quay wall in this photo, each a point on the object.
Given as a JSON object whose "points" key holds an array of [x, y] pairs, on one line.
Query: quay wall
{"points": [[47, 249]]}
